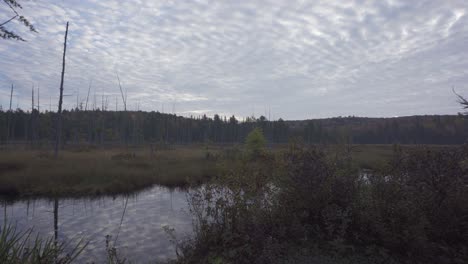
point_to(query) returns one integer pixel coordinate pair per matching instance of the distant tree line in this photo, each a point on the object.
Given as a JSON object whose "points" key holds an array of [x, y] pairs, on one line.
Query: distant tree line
{"points": [[435, 129], [138, 127], [132, 127]]}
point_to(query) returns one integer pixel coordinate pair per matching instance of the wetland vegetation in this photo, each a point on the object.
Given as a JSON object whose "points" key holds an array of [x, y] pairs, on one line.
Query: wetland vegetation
{"points": [[288, 203]]}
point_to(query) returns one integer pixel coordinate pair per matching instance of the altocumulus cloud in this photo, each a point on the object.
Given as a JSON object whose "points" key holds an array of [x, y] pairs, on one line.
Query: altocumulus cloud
{"points": [[301, 59]]}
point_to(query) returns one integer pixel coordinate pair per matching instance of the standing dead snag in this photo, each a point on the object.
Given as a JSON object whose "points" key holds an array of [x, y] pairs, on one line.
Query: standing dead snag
{"points": [[38, 103], [38, 119], [124, 98], [87, 96], [59, 112], [124, 101], [11, 95], [9, 116], [32, 123]]}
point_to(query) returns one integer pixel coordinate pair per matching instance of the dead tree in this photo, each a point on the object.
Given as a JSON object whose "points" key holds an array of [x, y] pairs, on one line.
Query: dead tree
{"points": [[59, 112], [87, 97], [32, 98], [124, 119], [124, 97], [38, 103], [38, 119], [32, 118], [9, 116]]}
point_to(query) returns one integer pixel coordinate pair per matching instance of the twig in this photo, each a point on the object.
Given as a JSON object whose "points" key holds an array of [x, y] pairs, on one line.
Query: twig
{"points": [[8, 20], [461, 99]]}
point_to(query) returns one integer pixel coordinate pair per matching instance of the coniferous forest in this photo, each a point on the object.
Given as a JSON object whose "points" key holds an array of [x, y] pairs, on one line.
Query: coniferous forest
{"points": [[138, 127]]}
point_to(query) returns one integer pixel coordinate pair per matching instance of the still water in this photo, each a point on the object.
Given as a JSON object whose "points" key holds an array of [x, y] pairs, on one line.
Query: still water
{"points": [[140, 232]]}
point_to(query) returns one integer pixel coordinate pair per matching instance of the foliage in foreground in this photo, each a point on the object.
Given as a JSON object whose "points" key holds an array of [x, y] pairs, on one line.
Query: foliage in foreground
{"points": [[272, 209], [18, 247]]}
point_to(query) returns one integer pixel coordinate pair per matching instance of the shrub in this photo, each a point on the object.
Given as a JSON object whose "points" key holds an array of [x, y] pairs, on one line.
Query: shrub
{"points": [[255, 143], [413, 211]]}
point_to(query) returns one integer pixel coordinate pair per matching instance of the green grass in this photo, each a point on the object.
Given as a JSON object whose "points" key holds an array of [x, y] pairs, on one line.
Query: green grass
{"points": [[107, 171]]}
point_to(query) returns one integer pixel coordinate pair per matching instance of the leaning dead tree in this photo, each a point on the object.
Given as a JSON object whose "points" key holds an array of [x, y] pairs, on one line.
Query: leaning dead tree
{"points": [[124, 119], [87, 96], [124, 97], [59, 112]]}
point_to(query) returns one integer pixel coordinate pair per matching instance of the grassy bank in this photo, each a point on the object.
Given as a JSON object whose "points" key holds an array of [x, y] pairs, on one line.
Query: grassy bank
{"points": [[102, 171], [92, 171]]}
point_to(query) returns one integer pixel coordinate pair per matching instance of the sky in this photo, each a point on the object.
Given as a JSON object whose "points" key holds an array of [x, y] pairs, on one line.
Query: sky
{"points": [[290, 59]]}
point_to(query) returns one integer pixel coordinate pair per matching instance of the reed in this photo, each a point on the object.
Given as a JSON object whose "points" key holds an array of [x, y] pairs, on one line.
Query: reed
{"points": [[21, 247]]}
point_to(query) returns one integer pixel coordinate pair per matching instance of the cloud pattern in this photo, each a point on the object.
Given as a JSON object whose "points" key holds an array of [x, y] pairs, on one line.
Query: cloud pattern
{"points": [[298, 59]]}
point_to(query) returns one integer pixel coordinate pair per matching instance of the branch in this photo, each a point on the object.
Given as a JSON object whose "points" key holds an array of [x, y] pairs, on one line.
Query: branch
{"points": [[6, 34], [461, 99], [8, 20], [12, 4], [9, 3]]}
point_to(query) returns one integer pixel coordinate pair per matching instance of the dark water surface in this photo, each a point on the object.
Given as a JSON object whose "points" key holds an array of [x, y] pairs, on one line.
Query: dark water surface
{"points": [[141, 238]]}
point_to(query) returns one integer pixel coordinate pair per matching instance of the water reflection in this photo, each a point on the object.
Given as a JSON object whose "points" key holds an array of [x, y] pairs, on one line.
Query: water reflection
{"points": [[135, 223]]}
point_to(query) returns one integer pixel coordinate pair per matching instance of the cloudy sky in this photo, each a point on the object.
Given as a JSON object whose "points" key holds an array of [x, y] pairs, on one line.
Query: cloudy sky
{"points": [[294, 59]]}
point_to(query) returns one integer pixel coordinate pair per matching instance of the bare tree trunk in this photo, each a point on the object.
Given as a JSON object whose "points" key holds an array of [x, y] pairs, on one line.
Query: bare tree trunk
{"points": [[11, 95], [32, 117], [9, 116], [59, 112], [124, 98], [32, 98], [38, 120], [77, 99], [38, 103], [87, 97], [124, 118]]}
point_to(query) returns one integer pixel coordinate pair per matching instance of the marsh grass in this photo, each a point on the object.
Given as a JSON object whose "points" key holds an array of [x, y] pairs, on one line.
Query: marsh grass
{"points": [[101, 171], [88, 170], [373, 156], [20, 247]]}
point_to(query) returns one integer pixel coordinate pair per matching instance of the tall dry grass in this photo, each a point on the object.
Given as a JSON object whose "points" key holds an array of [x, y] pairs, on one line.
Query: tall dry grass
{"points": [[101, 171]]}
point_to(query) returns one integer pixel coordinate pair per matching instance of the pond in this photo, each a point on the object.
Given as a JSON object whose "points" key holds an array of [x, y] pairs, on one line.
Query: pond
{"points": [[139, 234]]}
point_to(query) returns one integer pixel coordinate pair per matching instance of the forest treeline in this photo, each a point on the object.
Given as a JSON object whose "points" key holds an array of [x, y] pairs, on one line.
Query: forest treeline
{"points": [[138, 127]]}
